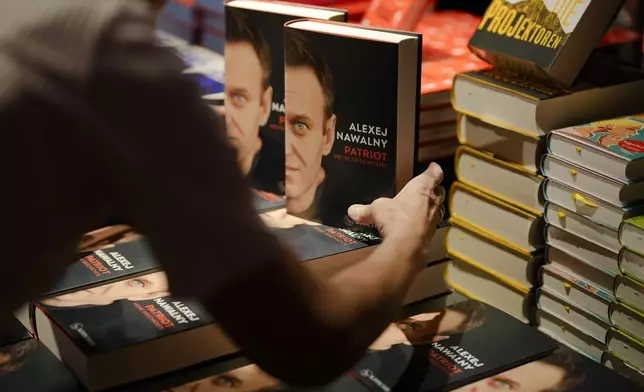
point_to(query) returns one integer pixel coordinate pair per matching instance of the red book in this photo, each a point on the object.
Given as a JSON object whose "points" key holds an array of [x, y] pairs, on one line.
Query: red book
{"points": [[396, 14], [447, 32]]}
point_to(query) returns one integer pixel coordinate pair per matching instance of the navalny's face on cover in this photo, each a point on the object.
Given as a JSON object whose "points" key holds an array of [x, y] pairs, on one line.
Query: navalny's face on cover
{"points": [[248, 90], [150, 286], [562, 371], [310, 122]]}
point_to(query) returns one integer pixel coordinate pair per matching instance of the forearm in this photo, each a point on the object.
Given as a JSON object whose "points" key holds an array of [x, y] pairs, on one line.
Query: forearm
{"points": [[366, 296]]}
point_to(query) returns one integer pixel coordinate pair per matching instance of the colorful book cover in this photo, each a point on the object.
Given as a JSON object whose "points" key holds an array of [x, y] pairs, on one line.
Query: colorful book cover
{"points": [[311, 240], [254, 90], [537, 38], [108, 267], [28, 365], [342, 140], [623, 135]]}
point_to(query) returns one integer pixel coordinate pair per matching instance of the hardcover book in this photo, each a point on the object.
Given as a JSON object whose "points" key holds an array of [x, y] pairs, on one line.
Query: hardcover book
{"points": [[506, 181], [609, 189], [631, 262], [28, 365], [507, 145], [563, 371], [613, 147], [473, 282], [548, 40], [526, 106], [350, 134], [118, 263], [320, 246], [459, 345], [432, 351], [623, 368], [144, 331], [254, 84]]}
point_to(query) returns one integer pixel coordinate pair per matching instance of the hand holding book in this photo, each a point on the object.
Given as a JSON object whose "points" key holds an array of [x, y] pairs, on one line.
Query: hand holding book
{"points": [[410, 218]]}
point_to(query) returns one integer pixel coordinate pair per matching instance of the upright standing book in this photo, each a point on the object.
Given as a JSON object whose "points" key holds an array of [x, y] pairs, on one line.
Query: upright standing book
{"points": [[352, 97], [254, 88]]}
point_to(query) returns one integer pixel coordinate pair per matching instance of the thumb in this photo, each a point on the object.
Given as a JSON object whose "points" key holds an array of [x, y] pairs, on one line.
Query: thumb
{"points": [[361, 214]]}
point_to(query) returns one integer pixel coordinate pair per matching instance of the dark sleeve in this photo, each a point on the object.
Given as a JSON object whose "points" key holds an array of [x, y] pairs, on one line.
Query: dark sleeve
{"points": [[171, 172]]}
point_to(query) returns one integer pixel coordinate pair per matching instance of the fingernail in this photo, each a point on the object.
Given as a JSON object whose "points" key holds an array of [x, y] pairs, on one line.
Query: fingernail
{"points": [[435, 170], [355, 211]]}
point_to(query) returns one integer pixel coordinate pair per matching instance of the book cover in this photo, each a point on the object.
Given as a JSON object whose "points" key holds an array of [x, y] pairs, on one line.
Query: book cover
{"points": [[563, 371], [254, 104], [311, 240], [461, 344], [266, 201], [28, 365], [112, 266], [549, 40], [342, 121], [135, 315], [623, 136]]}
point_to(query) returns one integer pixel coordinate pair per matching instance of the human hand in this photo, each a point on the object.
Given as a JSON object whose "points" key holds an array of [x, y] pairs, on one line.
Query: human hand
{"points": [[411, 217]]}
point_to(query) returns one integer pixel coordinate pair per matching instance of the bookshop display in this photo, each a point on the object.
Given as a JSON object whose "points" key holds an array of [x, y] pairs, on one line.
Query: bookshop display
{"points": [[535, 276]]}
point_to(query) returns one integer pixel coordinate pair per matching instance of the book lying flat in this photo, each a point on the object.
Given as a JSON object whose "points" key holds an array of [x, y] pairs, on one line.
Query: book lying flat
{"points": [[565, 370], [533, 109], [510, 146], [441, 350], [612, 147], [463, 343], [28, 365], [143, 337]]}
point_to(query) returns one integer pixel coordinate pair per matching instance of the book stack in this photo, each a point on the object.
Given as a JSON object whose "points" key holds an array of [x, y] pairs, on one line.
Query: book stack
{"points": [[445, 53], [212, 24], [537, 85], [462, 346], [592, 296], [113, 305], [178, 17]]}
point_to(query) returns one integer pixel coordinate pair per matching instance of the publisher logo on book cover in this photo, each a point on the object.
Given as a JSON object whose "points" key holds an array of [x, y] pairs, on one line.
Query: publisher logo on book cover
{"points": [[368, 374], [78, 327]]}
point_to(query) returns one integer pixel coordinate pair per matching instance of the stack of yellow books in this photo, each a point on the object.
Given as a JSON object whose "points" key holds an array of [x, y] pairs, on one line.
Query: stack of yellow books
{"points": [[496, 238]]}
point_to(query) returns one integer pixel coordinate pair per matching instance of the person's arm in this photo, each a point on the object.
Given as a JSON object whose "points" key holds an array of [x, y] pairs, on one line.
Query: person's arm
{"points": [[174, 177]]}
